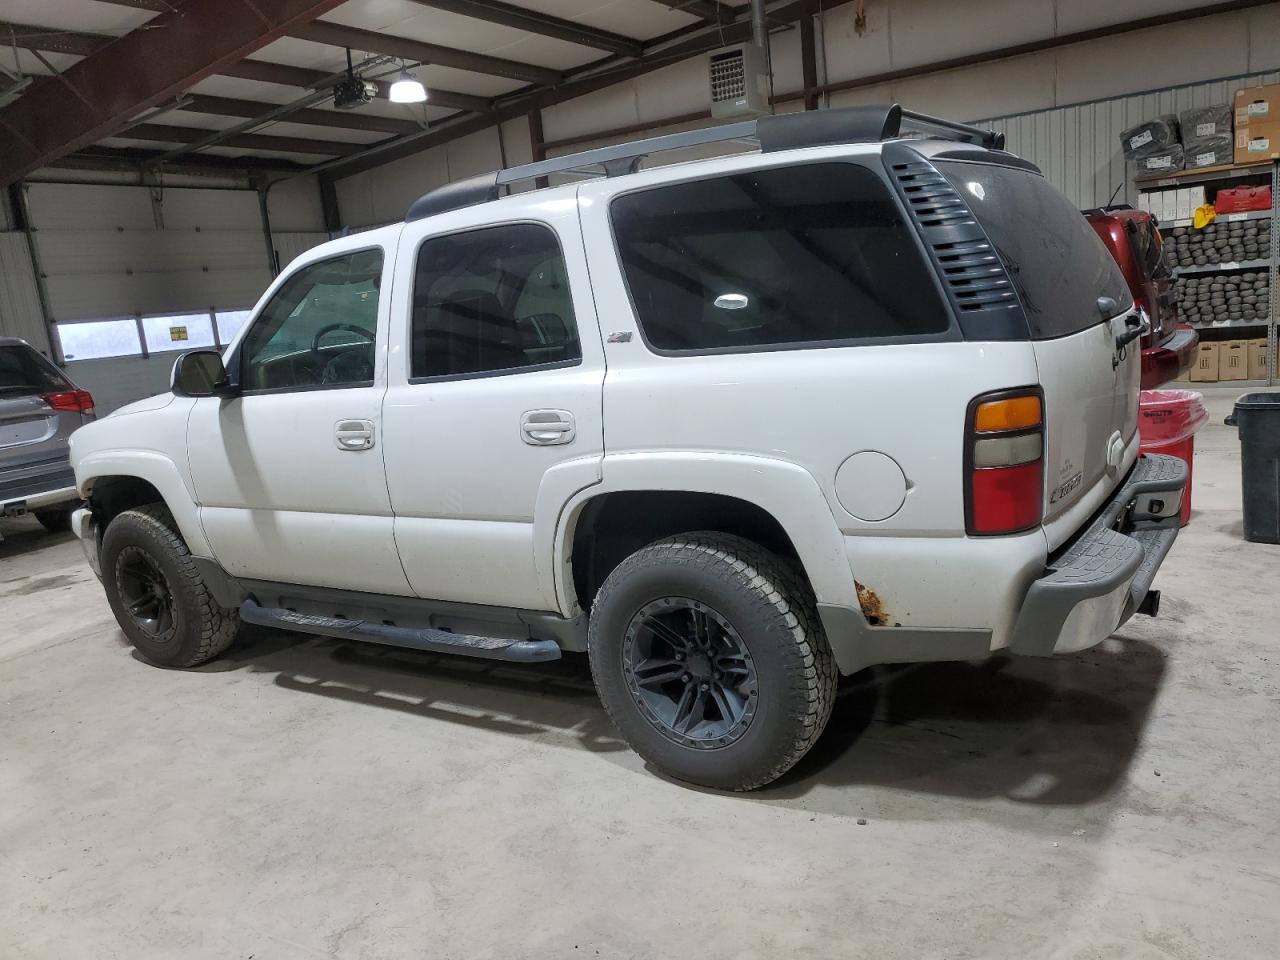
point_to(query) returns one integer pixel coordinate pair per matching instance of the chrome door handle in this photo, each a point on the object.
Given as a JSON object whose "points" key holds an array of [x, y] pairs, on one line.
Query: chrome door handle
{"points": [[545, 428], [353, 434]]}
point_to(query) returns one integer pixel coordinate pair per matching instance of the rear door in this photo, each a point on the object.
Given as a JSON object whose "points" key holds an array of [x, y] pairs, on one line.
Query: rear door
{"points": [[1061, 269], [492, 416], [32, 431]]}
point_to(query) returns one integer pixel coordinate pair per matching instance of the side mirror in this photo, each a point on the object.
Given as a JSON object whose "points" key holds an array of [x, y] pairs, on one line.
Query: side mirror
{"points": [[200, 373], [1107, 307]]}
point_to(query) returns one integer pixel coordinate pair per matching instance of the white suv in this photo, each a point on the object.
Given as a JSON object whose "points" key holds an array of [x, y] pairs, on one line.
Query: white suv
{"points": [[729, 426]]}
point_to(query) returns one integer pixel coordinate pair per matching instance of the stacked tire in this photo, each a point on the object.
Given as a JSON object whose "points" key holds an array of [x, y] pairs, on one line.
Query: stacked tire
{"points": [[1219, 242], [1220, 298]]}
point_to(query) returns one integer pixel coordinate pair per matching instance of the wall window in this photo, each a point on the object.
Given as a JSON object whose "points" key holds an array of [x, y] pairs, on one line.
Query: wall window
{"points": [[183, 332], [795, 255], [490, 300], [95, 339], [230, 323], [318, 329]]}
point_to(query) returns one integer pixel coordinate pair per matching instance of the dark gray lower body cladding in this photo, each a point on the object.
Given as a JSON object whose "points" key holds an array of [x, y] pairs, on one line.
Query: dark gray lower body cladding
{"points": [[416, 638]]}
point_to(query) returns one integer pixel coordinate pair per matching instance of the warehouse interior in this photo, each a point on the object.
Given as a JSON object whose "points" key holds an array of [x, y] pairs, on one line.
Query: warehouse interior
{"points": [[163, 164]]}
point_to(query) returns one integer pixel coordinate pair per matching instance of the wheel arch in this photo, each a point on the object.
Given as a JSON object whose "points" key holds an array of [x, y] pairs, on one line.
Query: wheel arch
{"points": [[777, 504], [122, 481]]}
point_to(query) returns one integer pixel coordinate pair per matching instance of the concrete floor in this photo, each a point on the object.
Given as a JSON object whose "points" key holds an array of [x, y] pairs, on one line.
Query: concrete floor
{"points": [[310, 798]]}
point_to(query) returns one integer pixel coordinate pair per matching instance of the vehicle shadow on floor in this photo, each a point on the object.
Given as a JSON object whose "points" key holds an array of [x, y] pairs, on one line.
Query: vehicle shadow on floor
{"points": [[553, 702], [27, 536], [1041, 731], [1060, 731]]}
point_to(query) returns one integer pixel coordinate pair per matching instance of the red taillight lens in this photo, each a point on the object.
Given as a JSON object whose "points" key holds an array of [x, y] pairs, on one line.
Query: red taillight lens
{"points": [[79, 401], [1006, 499], [1004, 459]]}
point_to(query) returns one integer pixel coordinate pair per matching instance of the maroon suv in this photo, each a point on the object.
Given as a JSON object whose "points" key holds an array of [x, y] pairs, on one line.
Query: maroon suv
{"points": [[1134, 242]]}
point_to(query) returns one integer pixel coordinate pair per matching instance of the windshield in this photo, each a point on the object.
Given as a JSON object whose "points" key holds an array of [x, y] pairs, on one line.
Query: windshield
{"points": [[1056, 262]]}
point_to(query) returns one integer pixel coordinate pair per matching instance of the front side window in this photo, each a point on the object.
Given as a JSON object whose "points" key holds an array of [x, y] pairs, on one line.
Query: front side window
{"points": [[797, 255], [491, 300], [319, 328]]}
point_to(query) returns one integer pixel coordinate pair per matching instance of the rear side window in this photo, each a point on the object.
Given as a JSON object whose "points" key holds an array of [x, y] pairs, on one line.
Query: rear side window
{"points": [[22, 370], [792, 256], [492, 300], [1056, 262]]}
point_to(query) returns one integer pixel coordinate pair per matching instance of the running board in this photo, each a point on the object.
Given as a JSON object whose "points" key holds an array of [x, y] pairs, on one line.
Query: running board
{"points": [[416, 638]]}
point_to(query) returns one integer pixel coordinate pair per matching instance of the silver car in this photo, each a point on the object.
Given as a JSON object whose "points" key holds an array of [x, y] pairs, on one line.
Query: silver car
{"points": [[39, 410]]}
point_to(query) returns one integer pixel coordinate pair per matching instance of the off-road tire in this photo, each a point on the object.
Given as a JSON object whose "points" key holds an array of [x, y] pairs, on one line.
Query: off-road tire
{"points": [[55, 519], [771, 606], [201, 627]]}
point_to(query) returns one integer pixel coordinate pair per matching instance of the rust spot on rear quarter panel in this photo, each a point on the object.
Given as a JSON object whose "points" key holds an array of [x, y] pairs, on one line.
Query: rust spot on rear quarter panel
{"points": [[872, 607]]}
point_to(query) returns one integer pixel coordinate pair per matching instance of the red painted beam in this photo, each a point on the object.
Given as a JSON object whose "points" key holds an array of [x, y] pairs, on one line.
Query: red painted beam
{"points": [[100, 94]]}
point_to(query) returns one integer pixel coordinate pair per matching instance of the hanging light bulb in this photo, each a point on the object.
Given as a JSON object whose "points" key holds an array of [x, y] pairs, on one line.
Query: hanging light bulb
{"points": [[407, 89]]}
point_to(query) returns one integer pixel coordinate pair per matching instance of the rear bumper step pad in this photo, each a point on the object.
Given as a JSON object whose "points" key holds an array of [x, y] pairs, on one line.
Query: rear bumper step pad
{"points": [[1120, 550], [415, 638]]}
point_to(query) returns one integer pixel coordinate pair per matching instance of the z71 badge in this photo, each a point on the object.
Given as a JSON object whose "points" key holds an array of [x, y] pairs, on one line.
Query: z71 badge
{"points": [[1065, 489]]}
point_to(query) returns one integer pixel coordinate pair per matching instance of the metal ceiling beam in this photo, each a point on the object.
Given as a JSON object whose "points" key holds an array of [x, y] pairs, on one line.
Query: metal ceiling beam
{"points": [[543, 24], [710, 10], [339, 119], [138, 71], [370, 41], [130, 158], [81, 44], [166, 133]]}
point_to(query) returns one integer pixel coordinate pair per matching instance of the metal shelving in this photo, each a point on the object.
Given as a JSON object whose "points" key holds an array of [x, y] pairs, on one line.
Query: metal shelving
{"points": [[1224, 265], [1271, 264], [1221, 218]]}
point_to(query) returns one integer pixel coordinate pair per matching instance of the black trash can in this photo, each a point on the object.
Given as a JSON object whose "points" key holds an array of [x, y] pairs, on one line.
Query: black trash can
{"points": [[1257, 417]]}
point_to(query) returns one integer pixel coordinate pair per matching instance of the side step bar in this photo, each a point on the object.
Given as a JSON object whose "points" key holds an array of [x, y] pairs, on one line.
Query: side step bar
{"points": [[416, 638]]}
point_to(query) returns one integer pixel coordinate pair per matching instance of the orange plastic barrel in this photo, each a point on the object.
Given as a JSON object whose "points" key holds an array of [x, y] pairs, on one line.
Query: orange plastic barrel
{"points": [[1167, 422]]}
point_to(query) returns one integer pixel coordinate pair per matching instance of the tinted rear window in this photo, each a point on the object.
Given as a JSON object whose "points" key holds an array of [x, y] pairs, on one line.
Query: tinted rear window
{"points": [[22, 370], [1056, 262], [794, 256]]}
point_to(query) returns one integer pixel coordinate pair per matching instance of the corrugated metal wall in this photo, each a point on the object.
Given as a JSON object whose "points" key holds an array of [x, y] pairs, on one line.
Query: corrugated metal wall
{"points": [[20, 314], [1078, 147]]}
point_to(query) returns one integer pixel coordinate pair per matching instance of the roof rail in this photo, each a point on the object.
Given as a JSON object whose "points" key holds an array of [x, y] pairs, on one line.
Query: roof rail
{"points": [[772, 133]]}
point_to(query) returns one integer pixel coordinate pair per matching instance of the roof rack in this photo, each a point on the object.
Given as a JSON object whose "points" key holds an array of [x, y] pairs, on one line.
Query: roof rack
{"points": [[772, 133]]}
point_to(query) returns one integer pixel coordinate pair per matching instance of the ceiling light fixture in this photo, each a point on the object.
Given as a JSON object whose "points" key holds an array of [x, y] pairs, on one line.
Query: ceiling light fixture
{"points": [[407, 89]]}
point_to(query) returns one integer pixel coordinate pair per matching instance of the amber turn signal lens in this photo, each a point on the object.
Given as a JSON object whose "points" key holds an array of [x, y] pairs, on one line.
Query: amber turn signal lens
{"points": [[1016, 413]]}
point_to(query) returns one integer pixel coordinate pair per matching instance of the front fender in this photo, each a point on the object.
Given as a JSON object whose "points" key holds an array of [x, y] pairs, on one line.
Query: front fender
{"points": [[786, 491], [159, 471]]}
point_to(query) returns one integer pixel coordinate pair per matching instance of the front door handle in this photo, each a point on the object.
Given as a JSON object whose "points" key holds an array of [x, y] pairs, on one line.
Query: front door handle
{"points": [[545, 428], [353, 434]]}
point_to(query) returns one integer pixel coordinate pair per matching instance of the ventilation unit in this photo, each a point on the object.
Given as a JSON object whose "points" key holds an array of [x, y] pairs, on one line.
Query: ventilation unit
{"points": [[739, 82]]}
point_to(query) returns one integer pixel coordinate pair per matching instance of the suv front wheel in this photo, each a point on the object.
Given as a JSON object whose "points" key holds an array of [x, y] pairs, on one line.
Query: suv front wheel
{"points": [[157, 594], [707, 654]]}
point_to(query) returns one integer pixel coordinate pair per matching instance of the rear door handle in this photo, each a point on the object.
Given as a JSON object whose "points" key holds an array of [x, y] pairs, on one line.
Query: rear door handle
{"points": [[545, 428], [353, 434]]}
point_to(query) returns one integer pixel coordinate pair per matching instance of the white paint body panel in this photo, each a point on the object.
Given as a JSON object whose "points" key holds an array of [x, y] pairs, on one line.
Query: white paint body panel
{"points": [[450, 504], [279, 500], [463, 484]]}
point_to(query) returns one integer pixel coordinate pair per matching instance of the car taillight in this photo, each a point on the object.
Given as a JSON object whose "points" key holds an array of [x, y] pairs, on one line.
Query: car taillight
{"points": [[1004, 462], [80, 401]]}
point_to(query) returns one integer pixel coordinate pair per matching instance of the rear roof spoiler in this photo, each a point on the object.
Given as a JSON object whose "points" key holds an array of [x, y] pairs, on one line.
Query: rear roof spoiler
{"points": [[772, 133]]}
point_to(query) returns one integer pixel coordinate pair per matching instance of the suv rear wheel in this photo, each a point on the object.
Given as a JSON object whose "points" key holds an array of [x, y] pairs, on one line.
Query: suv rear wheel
{"points": [[708, 656], [157, 594]]}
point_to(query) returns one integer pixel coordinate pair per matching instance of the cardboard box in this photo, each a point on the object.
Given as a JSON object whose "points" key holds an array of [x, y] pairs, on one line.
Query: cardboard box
{"points": [[1233, 360], [1258, 359], [1206, 366], [1183, 203], [1258, 141], [1197, 198], [1257, 105]]}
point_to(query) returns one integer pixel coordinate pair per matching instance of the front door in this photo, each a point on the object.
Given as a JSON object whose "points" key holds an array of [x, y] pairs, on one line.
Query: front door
{"points": [[493, 411], [289, 474]]}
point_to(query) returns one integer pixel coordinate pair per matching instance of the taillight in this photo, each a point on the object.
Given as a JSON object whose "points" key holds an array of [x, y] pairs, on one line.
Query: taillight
{"points": [[1004, 462], [79, 401]]}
